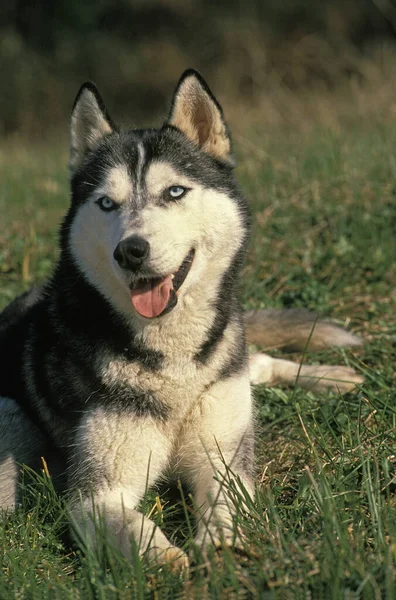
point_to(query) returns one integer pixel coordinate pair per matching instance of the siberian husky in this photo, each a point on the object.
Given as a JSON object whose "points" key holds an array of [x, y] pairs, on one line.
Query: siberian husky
{"points": [[131, 363]]}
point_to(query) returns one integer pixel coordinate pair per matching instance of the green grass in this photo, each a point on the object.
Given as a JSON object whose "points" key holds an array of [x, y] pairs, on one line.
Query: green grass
{"points": [[323, 524]]}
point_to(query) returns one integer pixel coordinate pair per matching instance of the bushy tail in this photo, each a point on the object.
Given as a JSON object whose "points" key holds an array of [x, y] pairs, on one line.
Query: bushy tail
{"points": [[290, 331]]}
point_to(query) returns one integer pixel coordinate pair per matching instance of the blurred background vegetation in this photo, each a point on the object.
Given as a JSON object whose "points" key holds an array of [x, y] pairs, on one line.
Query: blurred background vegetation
{"points": [[276, 62]]}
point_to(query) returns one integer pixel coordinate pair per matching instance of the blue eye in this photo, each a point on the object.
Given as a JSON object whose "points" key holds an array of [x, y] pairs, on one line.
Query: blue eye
{"points": [[106, 204], [176, 192]]}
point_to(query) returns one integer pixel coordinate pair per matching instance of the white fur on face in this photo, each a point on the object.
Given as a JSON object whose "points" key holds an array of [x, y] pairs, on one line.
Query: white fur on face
{"points": [[205, 220], [161, 175], [96, 233], [117, 185]]}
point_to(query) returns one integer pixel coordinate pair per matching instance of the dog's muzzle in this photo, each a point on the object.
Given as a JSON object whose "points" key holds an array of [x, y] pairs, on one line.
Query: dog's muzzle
{"points": [[155, 295]]}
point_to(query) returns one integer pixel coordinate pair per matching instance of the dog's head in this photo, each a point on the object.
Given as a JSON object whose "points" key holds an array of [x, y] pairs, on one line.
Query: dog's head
{"points": [[155, 213]]}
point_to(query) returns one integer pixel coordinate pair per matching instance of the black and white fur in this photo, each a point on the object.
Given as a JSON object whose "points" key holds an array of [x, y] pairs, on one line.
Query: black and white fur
{"points": [[117, 400]]}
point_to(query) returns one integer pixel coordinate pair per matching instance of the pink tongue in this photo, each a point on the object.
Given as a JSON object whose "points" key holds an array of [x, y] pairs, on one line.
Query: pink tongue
{"points": [[151, 298]]}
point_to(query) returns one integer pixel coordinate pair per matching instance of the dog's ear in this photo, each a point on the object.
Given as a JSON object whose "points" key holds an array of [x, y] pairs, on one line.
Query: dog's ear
{"points": [[196, 112], [89, 124]]}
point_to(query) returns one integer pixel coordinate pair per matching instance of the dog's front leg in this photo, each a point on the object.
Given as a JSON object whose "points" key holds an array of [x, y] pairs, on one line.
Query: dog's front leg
{"points": [[216, 453], [116, 457]]}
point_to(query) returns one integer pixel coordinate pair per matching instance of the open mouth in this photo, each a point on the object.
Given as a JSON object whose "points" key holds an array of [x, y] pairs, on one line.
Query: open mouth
{"points": [[157, 296]]}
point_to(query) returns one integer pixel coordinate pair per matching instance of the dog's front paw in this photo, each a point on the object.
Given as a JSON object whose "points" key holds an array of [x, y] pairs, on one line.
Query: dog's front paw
{"points": [[172, 556], [220, 538]]}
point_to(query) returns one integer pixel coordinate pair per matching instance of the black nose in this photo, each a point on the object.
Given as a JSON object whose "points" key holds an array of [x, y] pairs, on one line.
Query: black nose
{"points": [[132, 252]]}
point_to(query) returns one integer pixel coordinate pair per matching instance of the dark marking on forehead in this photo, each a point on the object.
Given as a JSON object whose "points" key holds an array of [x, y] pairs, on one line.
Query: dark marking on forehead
{"points": [[170, 145], [139, 149], [112, 152]]}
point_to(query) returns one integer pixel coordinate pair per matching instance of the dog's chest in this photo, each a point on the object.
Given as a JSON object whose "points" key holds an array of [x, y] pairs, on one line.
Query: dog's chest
{"points": [[175, 384]]}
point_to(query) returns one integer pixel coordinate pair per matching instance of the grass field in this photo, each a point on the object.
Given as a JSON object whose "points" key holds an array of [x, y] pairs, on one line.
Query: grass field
{"points": [[323, 524]]}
